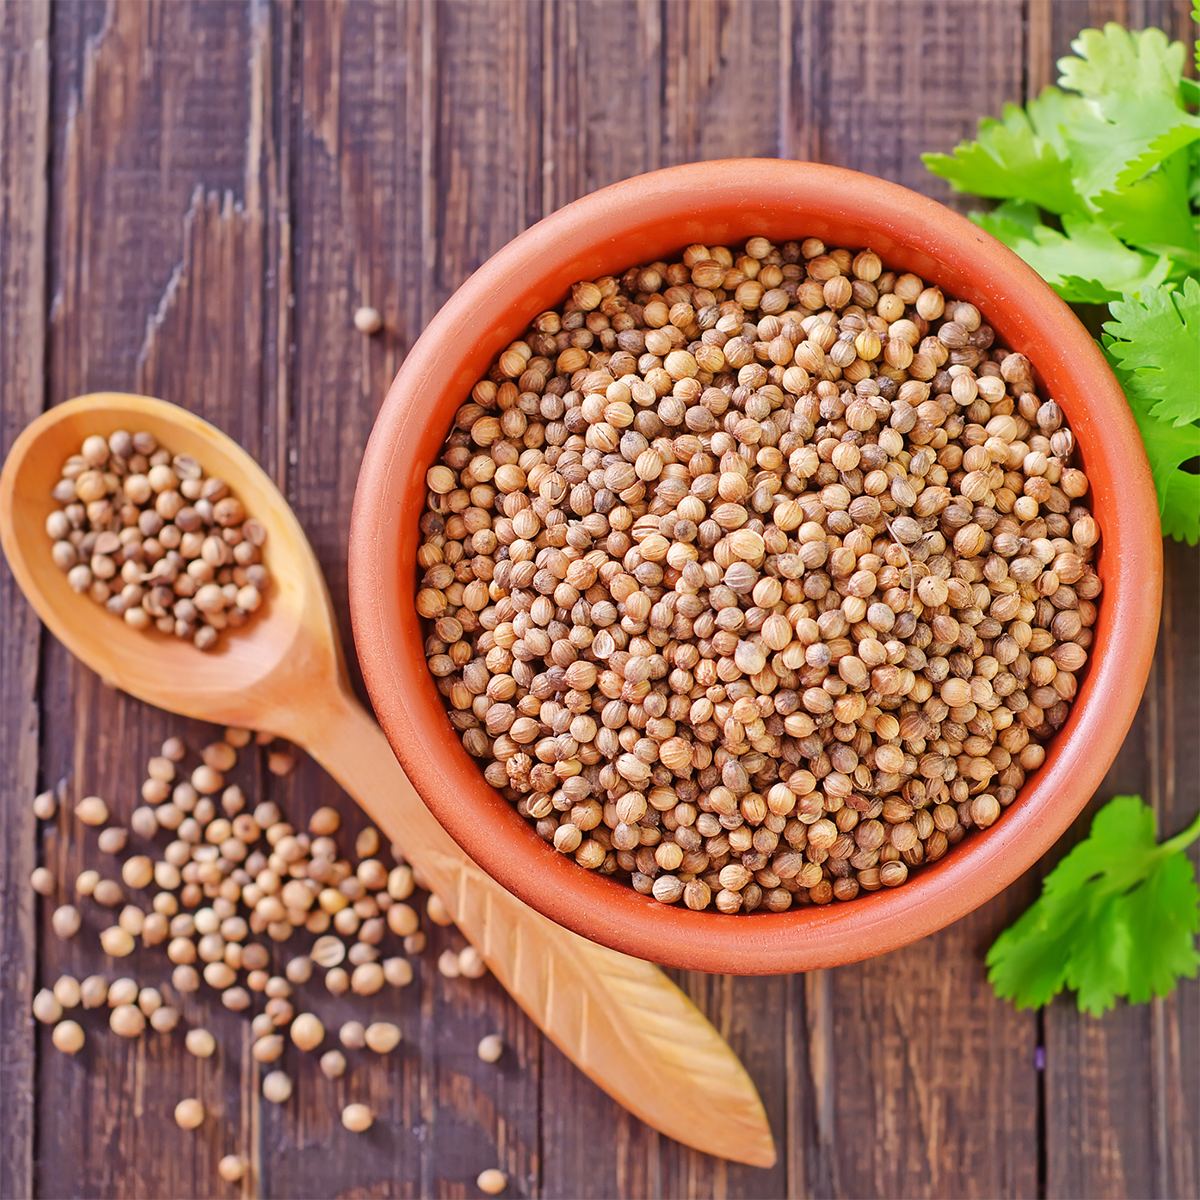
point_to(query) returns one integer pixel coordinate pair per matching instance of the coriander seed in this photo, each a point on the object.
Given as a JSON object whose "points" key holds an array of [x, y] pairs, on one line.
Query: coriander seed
{"points": [[492, 1181], [382, 1037], [277, 1087], [46, 1007], [126, 1020], [67, 1037], [358, 1118], [65, 921], [231, 1168], [490, 1048], [189, 1114]]}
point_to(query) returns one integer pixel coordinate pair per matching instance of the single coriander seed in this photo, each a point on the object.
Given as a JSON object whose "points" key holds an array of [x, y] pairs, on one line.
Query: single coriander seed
{"points": [[492, 1181], [277, 1087], [67, 1037], [189, 1114], [490, 1048], [358, 1118]]}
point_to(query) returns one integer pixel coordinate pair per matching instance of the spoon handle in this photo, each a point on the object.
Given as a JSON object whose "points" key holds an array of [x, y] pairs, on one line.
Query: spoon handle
{"points": [[619, 1019]]}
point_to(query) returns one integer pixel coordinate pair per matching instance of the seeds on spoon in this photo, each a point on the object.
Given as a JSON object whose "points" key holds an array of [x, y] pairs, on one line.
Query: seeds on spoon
{"points": [[149, 536]]}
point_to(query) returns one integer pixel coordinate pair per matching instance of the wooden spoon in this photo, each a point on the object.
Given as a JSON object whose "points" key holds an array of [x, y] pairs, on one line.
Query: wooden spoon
{"points": [[619, 1019]]}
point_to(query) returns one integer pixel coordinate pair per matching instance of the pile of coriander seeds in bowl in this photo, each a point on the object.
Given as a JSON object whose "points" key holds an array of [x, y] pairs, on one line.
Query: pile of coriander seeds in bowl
{"points": [[147, 534], [759, 577]]}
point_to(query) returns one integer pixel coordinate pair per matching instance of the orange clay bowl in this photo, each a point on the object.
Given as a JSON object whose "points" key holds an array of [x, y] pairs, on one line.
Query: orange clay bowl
{"points": [[652, 217]]}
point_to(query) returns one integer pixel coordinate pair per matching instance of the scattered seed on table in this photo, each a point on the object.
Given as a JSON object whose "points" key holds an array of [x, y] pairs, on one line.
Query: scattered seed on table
{"points": [[447, 964], [108, 892], [67, 991], [281, 762], [324, 822], [333, 1064], [117, 942], [122, 991], [164, 1019], [268, 1048], [91, 810], [358, 1118], [189, 1114], [307, 1032], [185, 978], [397, 971], [126, 1020], [85, 882], [352, 1035], [93, 991], [471, 964], [231, 1168], [44, 806], [200, 1043], [382, 1037], [46, 1007], [42, 881], [138, 871], [490, 1048], [277, 1087], [66, 921], [492, 1181], [113, 839], [367, 979], [299, 969], [67, 1037], [367, 320]]}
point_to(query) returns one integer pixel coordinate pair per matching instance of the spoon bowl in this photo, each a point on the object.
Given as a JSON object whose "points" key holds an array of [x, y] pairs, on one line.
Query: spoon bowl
{"points": [[620, 1020], [290, 639]]}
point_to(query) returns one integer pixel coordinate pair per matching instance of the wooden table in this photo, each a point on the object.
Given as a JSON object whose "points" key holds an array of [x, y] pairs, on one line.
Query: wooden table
{"points": [[194, 198]]}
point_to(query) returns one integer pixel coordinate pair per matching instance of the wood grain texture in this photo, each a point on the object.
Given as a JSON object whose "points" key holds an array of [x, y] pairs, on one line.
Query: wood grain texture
{"points": [[24, 141], [385, 164], [228, 183], [1121, 1091], [158, 282]]}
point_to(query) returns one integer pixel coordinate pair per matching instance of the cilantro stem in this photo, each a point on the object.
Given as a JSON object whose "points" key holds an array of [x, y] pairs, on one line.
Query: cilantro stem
{"points": [[1181, 841]]}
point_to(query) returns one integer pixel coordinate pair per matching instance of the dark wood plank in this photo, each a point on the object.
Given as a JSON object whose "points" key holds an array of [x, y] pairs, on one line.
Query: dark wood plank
{"points": [[1121, 1091], [161, 134], [899, 1058], [415, 158], [874, 86], [24, 136], [1175, 1021]]}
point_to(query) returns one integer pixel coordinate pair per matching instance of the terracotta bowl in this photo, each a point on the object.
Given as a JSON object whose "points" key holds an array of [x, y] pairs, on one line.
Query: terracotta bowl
{"points": [[651, 217]]}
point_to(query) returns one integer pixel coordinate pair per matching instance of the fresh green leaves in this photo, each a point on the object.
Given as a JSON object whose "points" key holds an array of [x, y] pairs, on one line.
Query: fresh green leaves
{"points": [[1134, 118], [1116, 918], [1084, 263], [1100, 186], [1154, 347], [1156, 342], [1021, 157]]}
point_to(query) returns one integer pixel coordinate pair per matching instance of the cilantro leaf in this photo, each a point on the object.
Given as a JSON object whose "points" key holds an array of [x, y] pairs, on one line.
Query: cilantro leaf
{"points": [[1154, 214], [1085, 251], [1115, 918], [1133, 118], [1167, 448], [1020, 157], [1156, 341]]}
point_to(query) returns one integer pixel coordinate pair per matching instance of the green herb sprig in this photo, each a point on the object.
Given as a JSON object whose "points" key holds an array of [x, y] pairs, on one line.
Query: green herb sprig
{"points": [[1115, 918], [1100, 187]]}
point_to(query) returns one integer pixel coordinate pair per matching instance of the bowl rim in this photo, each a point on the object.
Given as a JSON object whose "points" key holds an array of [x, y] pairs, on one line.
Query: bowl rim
{"points": [[730, 200]]}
